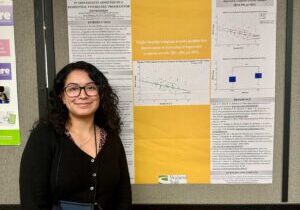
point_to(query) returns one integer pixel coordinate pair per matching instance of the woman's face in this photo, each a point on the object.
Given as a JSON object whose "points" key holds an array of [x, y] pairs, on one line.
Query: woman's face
{"points": [[87, 102]]}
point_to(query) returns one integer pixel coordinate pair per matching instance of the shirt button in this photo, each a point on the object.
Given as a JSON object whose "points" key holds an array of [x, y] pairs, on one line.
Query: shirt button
{"points": [[92, 160], [91, 188], [94, 174]]}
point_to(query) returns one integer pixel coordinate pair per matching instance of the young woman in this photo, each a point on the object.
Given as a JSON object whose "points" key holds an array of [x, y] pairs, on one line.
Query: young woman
{"points": [[74, 157]]}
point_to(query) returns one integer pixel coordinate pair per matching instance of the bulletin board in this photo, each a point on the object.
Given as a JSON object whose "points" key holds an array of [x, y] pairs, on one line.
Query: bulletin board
{"points": [[201, 191]]}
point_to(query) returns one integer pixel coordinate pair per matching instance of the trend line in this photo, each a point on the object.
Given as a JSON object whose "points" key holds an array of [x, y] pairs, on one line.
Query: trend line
{"points": [[241, 33], [167, 86]]}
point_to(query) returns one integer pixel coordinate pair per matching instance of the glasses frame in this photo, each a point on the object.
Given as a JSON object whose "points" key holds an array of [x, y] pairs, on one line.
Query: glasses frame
{"points": [[80, 88]]}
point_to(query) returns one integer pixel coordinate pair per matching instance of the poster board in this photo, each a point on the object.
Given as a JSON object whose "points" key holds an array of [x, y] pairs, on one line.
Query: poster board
{"points": [[149, 194], [189, 194]]}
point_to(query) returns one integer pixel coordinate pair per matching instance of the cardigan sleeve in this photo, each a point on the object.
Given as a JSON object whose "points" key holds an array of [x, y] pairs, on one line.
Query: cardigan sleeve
{"points": [[124, 197], [35, 170]]}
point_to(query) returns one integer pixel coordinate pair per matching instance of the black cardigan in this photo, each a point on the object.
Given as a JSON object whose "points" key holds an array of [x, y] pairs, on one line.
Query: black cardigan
{"points": [[53, 168]]}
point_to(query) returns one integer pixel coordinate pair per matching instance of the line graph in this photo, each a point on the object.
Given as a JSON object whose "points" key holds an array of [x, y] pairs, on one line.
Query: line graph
{"points": [[171, 82], [237, 28], [238, 33]]}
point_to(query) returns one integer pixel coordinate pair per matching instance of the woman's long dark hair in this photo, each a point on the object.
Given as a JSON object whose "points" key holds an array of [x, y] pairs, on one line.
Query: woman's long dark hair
{"points": [[106, 116]]}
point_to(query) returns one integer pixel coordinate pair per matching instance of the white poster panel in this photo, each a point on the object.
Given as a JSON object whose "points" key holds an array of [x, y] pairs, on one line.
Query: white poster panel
{"points": [[243, 91], [100, 33]]}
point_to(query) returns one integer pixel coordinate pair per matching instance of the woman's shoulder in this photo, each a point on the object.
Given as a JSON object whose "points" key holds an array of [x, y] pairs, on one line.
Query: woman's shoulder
{"points": [[42, 127], [42, 141], [114, 139], [113, 136], [43, 131]]}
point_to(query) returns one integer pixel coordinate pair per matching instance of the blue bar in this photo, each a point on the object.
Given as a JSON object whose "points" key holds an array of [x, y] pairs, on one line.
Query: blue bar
{"points": [[232, 79], [258, 75]]}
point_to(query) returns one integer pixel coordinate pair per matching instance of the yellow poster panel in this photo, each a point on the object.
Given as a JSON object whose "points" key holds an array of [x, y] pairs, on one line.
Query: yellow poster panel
{"points": [[171, 29], [172, 140]]}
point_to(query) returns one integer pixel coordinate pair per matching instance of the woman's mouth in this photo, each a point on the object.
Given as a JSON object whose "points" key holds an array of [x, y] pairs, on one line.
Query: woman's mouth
{"points": [[82, 104]]}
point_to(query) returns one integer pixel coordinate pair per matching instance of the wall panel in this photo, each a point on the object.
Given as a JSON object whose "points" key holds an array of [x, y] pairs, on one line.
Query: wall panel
{"points": [[27, 98]]}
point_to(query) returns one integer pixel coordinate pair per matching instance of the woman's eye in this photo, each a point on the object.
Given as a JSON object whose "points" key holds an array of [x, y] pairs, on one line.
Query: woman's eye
{"points": [[73, 89], [91, 87]]}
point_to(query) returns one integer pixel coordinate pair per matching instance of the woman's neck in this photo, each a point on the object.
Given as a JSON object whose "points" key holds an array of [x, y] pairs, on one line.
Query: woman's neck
{"points": [[80, 124]]}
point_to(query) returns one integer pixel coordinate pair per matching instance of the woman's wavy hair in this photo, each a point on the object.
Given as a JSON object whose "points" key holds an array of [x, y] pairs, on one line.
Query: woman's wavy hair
{"points": [[106, 116]]}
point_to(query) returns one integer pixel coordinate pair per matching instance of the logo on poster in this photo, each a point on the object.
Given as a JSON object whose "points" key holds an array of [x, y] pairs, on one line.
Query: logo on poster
{"points": [[6, 16], [5, 71], [4, 47]]}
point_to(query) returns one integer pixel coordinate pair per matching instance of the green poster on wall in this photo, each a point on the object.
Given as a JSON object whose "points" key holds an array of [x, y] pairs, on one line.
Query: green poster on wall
{"points": [[9, 117]]}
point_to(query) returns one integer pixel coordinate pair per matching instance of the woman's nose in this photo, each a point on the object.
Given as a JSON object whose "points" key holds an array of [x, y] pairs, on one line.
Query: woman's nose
{"points": [[82, 93]]}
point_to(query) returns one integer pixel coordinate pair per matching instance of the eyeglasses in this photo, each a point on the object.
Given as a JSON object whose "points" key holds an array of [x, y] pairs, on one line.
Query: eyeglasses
{"points": [[74, 90]]}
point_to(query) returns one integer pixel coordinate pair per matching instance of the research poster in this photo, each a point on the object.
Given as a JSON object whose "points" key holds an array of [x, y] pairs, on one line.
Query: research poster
{"points": [[9, 117], [196, 82]]}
